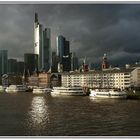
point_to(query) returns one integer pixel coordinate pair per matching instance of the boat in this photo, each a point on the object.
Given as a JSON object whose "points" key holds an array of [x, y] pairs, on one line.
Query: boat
{"points": [[16, 88], [107, 93], [2, 88], [39, 90], [69, 91]]}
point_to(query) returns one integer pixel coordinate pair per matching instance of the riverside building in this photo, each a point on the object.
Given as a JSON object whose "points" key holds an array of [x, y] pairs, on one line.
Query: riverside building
{"points": [[99, 79]]}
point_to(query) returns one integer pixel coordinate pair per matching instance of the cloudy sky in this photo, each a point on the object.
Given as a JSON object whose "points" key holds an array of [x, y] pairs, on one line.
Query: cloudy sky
{"points": [[92, 29]]}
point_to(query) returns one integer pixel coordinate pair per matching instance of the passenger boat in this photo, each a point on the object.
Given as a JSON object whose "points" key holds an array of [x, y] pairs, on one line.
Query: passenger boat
{"points": [[68, 91], [108, 93], [2, 88], [39, 90], [16, 88]]}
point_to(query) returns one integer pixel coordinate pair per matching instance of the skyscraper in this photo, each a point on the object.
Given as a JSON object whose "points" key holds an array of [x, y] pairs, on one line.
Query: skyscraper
{"points": [[3, 61], [46, 50], [60, 42], [38, 41], [42, 45], [63, 52], [74, 62]]}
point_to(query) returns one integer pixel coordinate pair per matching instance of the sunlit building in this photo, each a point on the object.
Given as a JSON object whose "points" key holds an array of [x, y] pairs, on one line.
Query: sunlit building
{"points": [[98, 79], [42, 45]]}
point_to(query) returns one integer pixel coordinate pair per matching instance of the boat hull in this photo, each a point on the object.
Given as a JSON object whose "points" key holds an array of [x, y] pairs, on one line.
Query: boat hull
{"points": [[68, 91], [109, 94], [68, 94]]}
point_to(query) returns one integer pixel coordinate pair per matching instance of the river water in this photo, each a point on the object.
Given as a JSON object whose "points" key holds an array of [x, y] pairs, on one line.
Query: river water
{"points": [[25, 114]]}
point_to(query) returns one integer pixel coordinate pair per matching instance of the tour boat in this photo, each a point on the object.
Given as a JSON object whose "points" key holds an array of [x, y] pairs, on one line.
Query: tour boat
{"points": [[39, 90], [69, 91], [16, 88], [2, 88], [108, 93]]}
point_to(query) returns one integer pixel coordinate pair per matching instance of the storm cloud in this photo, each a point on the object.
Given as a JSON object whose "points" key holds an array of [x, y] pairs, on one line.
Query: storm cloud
{"points": [[92, 29]]}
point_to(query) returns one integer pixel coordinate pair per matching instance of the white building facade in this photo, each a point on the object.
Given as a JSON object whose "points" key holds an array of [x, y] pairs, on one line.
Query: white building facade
{"points": [[98, 79]]}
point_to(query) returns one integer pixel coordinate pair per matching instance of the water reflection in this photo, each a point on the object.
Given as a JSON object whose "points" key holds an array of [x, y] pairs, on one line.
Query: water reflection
{"points": [[38, 113]]}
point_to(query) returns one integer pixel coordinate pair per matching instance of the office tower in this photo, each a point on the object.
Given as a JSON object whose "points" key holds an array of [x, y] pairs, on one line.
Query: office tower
{"points": [[60, 42], [20, 67], [54, 62], [3, 61], [12, 66], [63, 53], [105, 64], [42, 45], [46, 50], [38, 41], [30, 62], [74, 62]]}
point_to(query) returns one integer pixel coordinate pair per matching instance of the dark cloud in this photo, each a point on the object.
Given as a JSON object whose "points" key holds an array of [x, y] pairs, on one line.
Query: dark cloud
{"points": [[93, 29]]}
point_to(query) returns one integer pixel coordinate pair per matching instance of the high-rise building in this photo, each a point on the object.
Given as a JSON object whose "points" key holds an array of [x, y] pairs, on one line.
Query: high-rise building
{"points": [[30, 62], [63, 53], [3, 61], [46, 50], [12, 66], [60, 42], [74, 62], [42, 45], [38, 41]]}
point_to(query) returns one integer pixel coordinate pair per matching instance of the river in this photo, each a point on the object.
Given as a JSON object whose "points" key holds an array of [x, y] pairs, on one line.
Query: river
{"points": [[25, 114]]}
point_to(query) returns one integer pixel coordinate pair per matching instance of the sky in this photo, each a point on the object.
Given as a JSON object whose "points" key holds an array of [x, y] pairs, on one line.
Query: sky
{"points": [[92, 29]]}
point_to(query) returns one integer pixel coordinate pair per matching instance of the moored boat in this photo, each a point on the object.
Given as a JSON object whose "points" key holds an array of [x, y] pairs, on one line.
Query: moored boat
{"points": [[40, 90], [2, 88], [108, 93], [16, 88], [68, 91]]}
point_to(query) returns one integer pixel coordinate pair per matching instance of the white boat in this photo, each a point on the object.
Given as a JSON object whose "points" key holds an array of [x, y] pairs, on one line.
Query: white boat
{"points": [[39, 90], [2, 88], [69, 91], [16, 88], [107, 93]]}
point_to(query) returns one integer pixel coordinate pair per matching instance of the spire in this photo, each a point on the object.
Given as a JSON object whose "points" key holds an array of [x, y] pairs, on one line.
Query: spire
{"points": [[36, 17]]}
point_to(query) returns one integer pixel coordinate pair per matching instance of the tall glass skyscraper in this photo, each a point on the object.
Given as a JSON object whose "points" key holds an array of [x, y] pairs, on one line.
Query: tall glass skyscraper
{"points": [[46, 49], [60, 42], [3, 61], [42, 45], [38, 43], [63, 53]]}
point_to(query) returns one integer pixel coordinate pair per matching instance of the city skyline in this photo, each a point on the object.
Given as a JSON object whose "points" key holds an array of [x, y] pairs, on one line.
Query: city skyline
{"points": [[92, 29]]}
